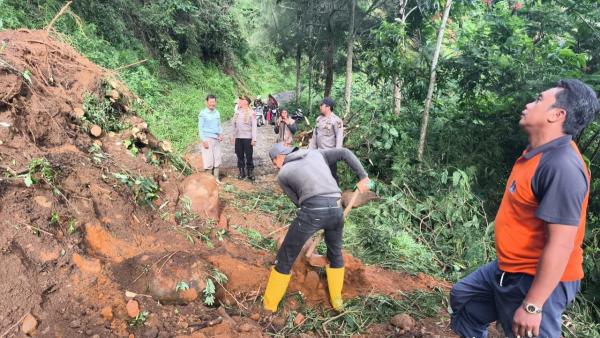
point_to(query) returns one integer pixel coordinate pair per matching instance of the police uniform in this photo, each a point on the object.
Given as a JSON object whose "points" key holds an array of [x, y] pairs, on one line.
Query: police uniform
{"points": [[328, 134]]}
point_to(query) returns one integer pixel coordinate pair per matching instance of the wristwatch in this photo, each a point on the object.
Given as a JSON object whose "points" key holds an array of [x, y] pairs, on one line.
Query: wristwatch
{"points": [[532, 308]]}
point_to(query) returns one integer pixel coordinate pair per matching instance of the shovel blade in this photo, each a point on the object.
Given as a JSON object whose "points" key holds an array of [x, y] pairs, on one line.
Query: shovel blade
{"points": [[317, 261]]}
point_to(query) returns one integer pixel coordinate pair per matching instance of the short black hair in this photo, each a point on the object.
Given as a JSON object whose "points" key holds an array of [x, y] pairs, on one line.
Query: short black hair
{"points": [[210, 96], [245, 97], [579, 102], [329, 102]]}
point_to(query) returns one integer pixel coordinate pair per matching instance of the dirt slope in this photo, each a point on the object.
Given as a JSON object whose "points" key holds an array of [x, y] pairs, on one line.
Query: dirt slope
{"points": [[76, 239]]}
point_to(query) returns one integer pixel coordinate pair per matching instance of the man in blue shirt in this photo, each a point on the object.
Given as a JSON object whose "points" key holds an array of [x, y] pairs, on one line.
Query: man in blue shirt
{"points": [[211, 135]]}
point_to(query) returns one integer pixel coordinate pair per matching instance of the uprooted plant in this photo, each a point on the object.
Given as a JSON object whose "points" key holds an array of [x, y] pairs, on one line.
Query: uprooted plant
{"points": [[192, 227], [144, 189], [101, 113], [210, 289]]}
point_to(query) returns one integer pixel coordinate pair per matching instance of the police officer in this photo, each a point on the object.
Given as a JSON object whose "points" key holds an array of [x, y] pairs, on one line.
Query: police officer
{"points": [[328, 132]]}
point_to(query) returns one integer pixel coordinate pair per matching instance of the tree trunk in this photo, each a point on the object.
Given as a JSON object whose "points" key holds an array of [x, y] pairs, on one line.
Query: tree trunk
{"points": [[310, 71], [436, 54], [348, 88], [298, 65], [329, 67], [397, 95]]}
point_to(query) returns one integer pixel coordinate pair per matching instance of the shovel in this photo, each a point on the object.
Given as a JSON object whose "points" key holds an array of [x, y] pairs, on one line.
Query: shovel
{"points": [[317, 260]]}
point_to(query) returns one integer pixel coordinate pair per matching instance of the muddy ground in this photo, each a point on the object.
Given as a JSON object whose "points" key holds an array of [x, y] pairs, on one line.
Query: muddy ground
{"points": [[85, 255]]}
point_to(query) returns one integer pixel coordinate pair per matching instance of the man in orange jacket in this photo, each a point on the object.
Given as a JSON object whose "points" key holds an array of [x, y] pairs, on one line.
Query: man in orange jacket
{"points": [[539, 227]]}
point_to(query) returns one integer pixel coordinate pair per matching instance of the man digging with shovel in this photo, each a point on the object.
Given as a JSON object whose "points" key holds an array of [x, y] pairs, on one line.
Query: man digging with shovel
{"points": [[306, 179]]}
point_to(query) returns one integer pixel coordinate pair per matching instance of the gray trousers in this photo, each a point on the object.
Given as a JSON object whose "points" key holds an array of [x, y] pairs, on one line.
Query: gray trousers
{"points": [[211, 157], [489, 294]]}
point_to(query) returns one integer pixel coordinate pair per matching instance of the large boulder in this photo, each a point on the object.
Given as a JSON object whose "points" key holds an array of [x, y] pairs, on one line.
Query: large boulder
{"points": [[203, 194], [172, 278]]}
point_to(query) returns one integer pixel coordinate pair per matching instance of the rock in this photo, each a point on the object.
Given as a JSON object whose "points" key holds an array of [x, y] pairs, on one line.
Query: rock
{"points": [[363, 198], [162, 285], [29, 324], [151, 332], [403, 322], [95, 130], [75, 324], [188, 295], [193, 156], [255, 316], [245, 327], [96, 336], [278, 322], [107, 313], [299, 319], [133, 308], [43, 202], [203, 193]]}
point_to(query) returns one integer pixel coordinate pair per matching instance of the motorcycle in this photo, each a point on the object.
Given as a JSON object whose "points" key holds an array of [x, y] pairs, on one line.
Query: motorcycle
{"points": [[260, 118], [297, 115], [272, 115]]}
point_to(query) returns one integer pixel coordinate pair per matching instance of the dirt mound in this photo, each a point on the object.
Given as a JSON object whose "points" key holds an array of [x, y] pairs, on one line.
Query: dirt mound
{"points": [[92, 219], [73, 205]]}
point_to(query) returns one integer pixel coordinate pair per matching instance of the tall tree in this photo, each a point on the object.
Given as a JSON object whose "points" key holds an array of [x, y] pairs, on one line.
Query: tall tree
{"points": [[349, 57], [432, 78]]}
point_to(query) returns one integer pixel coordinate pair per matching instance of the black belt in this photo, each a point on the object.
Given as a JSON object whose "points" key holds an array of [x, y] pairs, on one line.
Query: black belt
{"points": [[321, 202]]}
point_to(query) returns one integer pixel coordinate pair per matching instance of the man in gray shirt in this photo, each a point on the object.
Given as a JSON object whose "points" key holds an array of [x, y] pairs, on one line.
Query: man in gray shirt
{"points": [[306, 178]]}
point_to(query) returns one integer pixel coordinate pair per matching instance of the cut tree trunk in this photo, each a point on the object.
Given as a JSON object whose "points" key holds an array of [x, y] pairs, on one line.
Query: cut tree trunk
{"points": [[78, 113], [95, 130], [350, 55], [436, 54]]}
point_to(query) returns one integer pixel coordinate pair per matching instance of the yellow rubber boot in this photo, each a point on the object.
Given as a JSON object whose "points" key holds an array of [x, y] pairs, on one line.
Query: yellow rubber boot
{"points": [[276, 286], [335, 282]]}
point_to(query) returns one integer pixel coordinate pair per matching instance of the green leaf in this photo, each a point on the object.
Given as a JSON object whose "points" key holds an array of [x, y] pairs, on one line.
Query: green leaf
{"points": [[28, 181], [27, 75], [182, 286]]}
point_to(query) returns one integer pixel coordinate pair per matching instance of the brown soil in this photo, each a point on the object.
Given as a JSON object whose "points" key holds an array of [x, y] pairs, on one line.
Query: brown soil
{"points": [[72, 273]]}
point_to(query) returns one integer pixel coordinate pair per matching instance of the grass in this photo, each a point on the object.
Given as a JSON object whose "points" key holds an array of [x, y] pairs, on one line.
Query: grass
{"points": [[256, 240], [277, 205], [362, 312], [579, 320]]}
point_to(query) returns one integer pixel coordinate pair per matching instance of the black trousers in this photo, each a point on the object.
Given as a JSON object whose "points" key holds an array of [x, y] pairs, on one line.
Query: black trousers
{"points": [[244, 151], [315, 214]]}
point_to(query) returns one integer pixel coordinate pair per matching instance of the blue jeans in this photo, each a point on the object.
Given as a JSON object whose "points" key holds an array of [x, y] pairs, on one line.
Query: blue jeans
{"points": [[489, 294]]}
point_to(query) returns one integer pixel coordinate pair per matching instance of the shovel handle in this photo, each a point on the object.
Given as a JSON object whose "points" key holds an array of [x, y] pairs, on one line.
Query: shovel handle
{"points": [[351, 203], [319, 237]]}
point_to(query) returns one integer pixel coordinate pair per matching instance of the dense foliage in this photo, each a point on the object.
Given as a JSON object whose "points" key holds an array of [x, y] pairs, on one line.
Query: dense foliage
{"points": [[435, 216]]}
